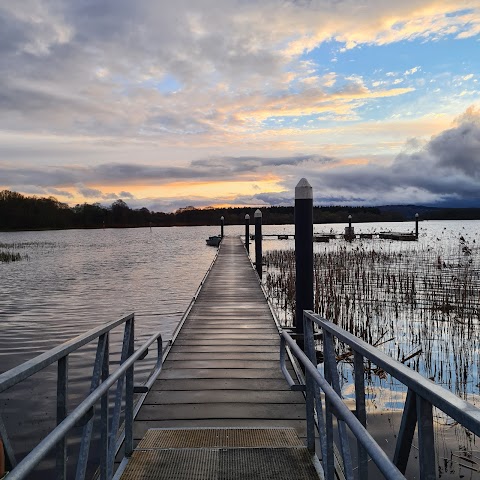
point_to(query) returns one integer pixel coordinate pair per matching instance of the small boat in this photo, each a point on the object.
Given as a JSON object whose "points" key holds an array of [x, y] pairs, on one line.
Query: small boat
{"points": [[214, 241]]}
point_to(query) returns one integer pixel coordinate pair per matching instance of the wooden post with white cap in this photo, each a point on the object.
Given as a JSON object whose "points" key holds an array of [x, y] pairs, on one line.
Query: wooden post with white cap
{"points": [[258, 242], [303, 254]]}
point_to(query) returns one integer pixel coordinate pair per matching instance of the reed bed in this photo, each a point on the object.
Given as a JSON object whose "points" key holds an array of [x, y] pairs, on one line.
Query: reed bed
{"points": [[422, 304], [419, 304], [7, 257]]}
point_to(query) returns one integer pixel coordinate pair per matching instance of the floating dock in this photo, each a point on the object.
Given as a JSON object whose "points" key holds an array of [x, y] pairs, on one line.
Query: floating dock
{"points": [[221, 404]]}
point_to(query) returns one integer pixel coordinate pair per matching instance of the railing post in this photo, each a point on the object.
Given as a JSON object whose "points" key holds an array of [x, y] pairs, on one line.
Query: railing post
{"points": [[10, 461], [361, 412], [309, 349], [222, 223], [258, 242], [118, 401], [247, 232], [104, 407], [416, 225], [129, 394], [62, 405], [406, 432], [331, 367], [2, 460], [426, 440], [303, 254], [309, 329], [88, 429]]}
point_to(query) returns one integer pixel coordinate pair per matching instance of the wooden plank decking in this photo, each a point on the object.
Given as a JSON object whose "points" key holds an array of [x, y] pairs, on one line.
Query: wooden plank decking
{"points": [[223, 369]]}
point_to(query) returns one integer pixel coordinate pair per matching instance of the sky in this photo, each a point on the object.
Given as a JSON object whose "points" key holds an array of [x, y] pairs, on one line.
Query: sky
{"points": [[231, 102]]}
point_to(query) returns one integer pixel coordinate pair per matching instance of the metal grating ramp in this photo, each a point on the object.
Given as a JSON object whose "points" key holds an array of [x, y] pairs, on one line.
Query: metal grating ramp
{"points": [[221, 454], [220, 438]]}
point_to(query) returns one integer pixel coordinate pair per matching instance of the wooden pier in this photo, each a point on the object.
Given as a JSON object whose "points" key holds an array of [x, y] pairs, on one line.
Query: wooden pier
{"points": [[223, 373]]}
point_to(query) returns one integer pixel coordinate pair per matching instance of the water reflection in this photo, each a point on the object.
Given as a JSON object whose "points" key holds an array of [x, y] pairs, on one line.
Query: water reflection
{"points": [[74, 280]]}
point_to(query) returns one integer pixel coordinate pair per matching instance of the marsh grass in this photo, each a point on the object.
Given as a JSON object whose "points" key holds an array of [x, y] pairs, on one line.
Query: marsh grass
{"points": [[422, 304], [6, 256], [418, 304]]}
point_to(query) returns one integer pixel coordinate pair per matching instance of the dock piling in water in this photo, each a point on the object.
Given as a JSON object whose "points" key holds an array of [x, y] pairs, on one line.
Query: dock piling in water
{"points": [[222, 223], [258, 242], [416, 225], [349, 231], [247, 232], [303, 254]]}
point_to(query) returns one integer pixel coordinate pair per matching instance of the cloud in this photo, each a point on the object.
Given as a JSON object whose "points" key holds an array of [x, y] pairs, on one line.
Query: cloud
{"points": [[447, 167], [209, 169], [166, 70], [411, 71], [89, 192], [123, 194]]}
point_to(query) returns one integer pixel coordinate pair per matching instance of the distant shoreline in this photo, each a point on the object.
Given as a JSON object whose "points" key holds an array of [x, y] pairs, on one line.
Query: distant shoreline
{"points": [[22, 213]]}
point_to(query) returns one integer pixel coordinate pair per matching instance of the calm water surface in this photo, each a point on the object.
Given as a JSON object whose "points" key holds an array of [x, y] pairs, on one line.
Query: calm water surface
{"points": [[74, 280], [77, 279]]}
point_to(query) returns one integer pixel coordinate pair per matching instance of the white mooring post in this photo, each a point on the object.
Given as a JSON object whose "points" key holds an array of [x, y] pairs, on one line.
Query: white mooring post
{"points": [[247, 232], [303, 254], [258, 242]]}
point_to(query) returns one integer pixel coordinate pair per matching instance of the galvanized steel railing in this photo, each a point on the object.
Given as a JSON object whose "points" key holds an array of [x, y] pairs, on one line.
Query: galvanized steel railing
{"points": [[422, 395], [83, 415]]}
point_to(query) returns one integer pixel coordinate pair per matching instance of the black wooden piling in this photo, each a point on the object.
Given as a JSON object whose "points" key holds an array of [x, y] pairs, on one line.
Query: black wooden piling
{"points": [[303, 254], [247, 232], [416, 225], [222, 223], [349, 232], [258, 242]]}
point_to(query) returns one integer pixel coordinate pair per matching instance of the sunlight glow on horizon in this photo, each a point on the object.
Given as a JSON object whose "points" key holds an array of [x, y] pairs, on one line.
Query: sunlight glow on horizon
{"points": [[164, 106]]}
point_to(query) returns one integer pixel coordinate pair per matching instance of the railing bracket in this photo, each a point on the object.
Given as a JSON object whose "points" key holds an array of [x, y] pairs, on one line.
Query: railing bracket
{"points": [[86, 418], [298, 388], [145, 353], [140, 388]]}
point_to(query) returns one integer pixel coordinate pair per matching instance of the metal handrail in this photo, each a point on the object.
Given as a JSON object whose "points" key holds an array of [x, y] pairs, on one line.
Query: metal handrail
{"points": [[455, 407], [342, 412], [21, 372], [422, 395], [190, 305], [83, 414]]}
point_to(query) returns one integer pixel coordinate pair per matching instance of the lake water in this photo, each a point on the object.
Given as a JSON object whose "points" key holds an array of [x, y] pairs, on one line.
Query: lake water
{"points": [[74, 280], [420, 303]]}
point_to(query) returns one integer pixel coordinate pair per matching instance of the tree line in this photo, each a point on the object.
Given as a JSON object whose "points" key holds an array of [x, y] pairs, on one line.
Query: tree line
{"points": [[20, 212]]}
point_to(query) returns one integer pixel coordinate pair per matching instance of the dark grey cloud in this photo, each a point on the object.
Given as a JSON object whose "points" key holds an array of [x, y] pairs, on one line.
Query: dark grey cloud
{"points": [[124, 194], [59, 193], [448, 166], [254, 164], [89, 192], [122, 173]]}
